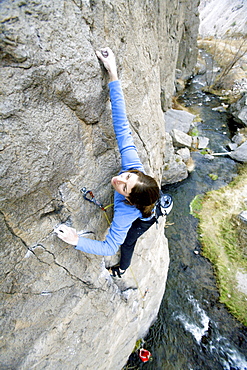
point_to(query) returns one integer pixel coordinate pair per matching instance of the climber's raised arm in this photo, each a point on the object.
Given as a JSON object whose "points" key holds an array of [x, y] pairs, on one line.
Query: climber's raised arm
{"points": [[127, 148], [108, 59]]}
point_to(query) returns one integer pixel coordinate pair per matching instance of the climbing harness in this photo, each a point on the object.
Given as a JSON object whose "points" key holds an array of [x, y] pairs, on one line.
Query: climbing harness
{"points": [[162, 208], [89, 196]]}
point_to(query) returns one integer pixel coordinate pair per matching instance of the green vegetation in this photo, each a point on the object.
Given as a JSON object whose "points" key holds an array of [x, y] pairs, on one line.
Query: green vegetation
{"points": [[194, 132], [213, 176], [196, 205], [219, 235]]}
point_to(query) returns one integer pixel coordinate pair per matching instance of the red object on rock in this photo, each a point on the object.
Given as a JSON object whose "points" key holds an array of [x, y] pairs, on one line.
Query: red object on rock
{"points": [[144, 355]]}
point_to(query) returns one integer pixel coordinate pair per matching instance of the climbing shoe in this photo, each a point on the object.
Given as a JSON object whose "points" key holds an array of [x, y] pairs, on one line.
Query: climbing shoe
{"points": [[115, 271]]}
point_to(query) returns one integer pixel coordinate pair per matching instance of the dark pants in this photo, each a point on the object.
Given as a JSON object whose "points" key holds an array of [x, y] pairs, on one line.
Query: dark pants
{"points": [[127, 248]]}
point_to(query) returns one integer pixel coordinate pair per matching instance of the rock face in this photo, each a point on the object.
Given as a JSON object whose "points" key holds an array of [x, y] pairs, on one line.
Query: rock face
{"points": [[60, 307], [226, 18], [239, 110]]}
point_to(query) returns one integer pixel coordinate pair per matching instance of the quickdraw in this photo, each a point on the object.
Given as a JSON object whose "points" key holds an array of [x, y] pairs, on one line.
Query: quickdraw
{"points": [[89, 196]]}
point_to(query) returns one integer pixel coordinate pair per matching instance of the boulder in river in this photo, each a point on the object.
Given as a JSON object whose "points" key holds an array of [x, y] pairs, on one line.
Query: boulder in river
{"points": [[175, 168], [175, 171], [202, 142], [180, 139], [240, 154], [232, 146], [184, 154], [239, 110], [178, 119], [238, 138]]}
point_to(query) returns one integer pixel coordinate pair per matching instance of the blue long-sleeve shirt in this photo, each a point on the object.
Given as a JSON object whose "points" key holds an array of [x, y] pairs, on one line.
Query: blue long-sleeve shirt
{"points": [[124, 214]]}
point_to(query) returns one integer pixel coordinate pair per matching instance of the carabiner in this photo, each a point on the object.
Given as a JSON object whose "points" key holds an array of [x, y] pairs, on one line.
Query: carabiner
{"points": [[87, 193]]}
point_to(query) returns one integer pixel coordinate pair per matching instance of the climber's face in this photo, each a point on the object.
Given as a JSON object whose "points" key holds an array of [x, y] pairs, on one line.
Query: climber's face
{"points": [[124, 183]]}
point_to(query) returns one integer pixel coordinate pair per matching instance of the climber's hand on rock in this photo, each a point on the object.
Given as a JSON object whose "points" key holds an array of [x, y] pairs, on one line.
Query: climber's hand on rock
{"points": [[108, 59], [67, 234]]}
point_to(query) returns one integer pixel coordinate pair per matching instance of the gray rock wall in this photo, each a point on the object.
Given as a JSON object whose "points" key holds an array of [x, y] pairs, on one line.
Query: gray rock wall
{"points": [[60, 307], [223, 19]]}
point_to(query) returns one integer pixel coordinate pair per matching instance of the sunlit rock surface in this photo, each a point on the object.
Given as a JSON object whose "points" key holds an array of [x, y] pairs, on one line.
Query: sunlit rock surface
{"points": [[60, 307], [225, 18]]}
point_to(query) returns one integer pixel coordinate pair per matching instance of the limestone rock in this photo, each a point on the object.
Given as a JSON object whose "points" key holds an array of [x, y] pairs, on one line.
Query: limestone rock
{"points": [[238, 138], [243, 217], [199, 142], [180, 139], [221, 108], [184, 154], [180, 85], [178, 21], [178, 119], [240, 154], [239, 110], [209, 157], [60, 308], [232, 146], [175, 169], [187, 53], [202, 142], [226, 18], [201, 68]]}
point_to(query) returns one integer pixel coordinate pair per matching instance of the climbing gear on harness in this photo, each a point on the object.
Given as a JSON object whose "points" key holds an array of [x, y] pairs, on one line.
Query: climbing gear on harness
{"points": [[164, 205], [89, 196], [144, 355], [115, 271]]}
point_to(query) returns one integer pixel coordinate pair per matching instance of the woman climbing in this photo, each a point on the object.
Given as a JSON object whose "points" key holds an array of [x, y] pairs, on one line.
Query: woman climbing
{"points": [[135, 194]]}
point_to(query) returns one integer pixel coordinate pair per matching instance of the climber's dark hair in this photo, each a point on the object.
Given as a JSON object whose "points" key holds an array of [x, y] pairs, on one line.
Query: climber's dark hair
{"points": [[144, 194]]}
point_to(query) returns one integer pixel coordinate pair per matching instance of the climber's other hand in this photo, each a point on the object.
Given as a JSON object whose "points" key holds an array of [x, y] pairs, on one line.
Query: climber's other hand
{"points": [[67, 234]]}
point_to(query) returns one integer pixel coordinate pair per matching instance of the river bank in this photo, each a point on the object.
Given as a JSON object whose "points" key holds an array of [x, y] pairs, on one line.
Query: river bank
{"points": [[219, 229], [227, 71]]}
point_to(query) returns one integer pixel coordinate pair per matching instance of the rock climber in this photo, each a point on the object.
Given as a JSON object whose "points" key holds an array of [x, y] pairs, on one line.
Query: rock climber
{"points": [[135, 195]]}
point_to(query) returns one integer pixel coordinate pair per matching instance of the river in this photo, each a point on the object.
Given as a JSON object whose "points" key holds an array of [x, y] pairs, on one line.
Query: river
{"points": [[193, 330]]}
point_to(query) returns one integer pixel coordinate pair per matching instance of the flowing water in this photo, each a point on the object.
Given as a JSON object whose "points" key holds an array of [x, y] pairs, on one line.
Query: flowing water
{"points": [[193, 330]]}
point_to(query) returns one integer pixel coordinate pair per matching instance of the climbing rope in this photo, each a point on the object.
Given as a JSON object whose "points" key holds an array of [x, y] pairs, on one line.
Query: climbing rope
{"points": [[146, 291]]}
